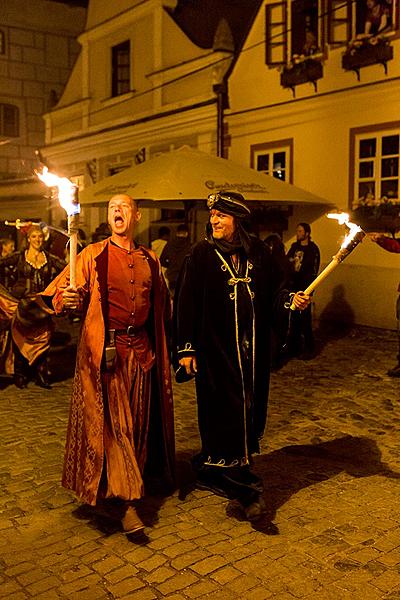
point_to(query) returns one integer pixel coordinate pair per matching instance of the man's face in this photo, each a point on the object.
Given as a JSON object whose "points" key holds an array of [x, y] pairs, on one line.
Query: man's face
{"points": [[122, 215], [36, 240], [301, 234], [223, 225]]}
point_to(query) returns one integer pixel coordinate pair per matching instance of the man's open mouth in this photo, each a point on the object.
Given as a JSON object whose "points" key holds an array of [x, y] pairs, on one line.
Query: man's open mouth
{"points": [[118, 219]]}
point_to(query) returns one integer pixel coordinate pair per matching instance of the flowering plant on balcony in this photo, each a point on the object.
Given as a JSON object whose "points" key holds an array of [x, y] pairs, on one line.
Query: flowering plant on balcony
{"points": [[377, 213]]}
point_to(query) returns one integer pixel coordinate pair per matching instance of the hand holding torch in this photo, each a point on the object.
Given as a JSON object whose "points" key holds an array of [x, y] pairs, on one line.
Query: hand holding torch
{"points": [[352, 239]]}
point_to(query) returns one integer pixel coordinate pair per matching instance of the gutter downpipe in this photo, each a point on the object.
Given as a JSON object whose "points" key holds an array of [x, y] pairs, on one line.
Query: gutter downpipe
{"points": [[221, 91]]}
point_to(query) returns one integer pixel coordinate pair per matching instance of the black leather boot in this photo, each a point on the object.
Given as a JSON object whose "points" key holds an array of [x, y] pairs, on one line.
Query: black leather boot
{"points": [[42, 376], [20, 381]]}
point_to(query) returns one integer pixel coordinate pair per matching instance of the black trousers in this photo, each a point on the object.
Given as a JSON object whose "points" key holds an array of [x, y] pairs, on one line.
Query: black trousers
{"points": [[301, 337]]}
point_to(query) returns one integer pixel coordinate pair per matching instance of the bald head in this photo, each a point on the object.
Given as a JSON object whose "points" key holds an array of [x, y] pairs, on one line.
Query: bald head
{"points": [[124, 198]]}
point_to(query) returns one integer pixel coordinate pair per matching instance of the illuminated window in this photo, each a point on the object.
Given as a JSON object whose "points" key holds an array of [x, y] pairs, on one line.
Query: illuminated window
{"points": [[376, 164], [273, 159], [121, 68], [9, 120]]}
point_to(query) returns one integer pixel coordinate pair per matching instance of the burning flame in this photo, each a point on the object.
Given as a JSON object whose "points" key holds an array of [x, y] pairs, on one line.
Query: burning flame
{"points": [[343, 219], [66, 190]]}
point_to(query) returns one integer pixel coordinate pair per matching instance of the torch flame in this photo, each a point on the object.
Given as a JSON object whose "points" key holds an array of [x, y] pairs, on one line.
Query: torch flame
{"points": [[66, 190], [344, 219]]}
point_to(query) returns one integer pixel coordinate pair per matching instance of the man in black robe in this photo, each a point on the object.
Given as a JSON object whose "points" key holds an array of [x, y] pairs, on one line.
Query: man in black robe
{"points": [[227, 295]]}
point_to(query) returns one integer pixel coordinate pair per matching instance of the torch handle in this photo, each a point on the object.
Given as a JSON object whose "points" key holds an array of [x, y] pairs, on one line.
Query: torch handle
{"points": [[73, 248], [328, 269]]}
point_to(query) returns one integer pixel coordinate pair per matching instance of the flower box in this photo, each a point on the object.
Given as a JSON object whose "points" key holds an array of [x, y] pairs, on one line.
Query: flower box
{"points": [[379, 218], [310, 70], [366, 54]]}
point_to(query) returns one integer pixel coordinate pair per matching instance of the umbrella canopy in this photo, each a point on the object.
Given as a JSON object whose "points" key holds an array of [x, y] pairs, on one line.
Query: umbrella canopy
{"points": [[187, 174]]}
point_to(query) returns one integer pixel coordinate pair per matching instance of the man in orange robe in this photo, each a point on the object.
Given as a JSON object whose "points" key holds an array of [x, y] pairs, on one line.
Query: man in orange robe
{"points": [[121, 419]]}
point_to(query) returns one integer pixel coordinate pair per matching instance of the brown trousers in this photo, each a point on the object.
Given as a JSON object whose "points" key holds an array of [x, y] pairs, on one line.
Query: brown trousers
{"points": [[126, 423]]}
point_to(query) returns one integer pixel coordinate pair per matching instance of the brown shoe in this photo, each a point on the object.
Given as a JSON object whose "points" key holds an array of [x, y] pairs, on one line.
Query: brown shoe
{"points": [[131, 522]]}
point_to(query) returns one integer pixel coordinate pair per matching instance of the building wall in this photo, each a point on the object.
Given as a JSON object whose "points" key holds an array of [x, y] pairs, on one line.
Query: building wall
{"points": [[168, 106], [41, 49], [319, 124]]}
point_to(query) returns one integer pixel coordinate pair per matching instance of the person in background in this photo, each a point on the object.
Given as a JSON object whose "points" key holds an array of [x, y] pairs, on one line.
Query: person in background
{"points": [[278, 252], [7, 247], [227, 298], [25, 274], [159, 244], [120, 431], [278, 337], [173, 255], [391, 245], [305, 258], [102, 232], [376, 20]]}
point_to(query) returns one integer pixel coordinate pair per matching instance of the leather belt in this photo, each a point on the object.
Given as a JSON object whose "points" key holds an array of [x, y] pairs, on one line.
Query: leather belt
{"points": [[131, 330]]}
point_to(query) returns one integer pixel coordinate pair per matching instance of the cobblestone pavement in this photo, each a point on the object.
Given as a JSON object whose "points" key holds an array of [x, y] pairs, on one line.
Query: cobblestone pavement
{"points": [[331, 468]]}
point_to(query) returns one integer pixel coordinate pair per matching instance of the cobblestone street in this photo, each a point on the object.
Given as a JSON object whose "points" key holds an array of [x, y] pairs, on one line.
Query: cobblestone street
{"points": [[331, 468]]}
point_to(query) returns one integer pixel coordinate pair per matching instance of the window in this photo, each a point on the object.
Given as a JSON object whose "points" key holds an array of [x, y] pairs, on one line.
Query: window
{"points": [[121, 68], [339, 22], [273, 159], [9, 120], [2, 42], [376, 165], [346, 20], [299, 27], [293, 28]]}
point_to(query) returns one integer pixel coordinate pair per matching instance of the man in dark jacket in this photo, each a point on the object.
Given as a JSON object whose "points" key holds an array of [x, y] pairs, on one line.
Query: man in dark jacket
{"points": [[174, 254], [224, 302], [305, 258]]}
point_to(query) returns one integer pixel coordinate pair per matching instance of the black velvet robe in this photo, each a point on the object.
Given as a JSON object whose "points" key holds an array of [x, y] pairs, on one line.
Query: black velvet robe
{"points": [[213, 314]]}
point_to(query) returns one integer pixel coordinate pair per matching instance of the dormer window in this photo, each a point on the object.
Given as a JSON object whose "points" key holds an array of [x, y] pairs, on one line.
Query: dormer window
{"points": [[121, 68]]}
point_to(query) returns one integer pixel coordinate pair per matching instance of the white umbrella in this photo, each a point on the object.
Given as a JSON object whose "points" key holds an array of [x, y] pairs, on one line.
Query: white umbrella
{"points": [[187, 174]]}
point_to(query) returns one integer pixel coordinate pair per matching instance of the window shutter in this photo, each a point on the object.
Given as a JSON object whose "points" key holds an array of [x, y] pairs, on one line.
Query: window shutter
{"points": [[339, 22], [276, 33]]}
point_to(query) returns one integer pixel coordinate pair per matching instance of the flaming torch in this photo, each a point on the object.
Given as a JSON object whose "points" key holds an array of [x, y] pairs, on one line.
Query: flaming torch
{"points": [[68, 198], [351, 240]]}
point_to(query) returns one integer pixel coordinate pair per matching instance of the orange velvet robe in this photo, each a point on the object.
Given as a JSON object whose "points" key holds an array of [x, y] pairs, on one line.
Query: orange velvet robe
{"points": [[88, 433]]}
